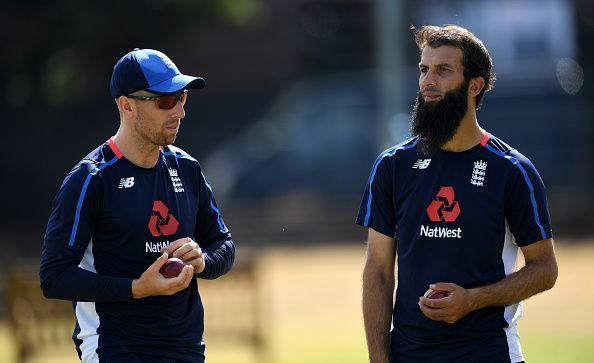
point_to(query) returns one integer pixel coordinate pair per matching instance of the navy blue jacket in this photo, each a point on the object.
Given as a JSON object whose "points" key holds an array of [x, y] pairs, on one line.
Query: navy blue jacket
{"points": [[457, 217], [109, 221]]}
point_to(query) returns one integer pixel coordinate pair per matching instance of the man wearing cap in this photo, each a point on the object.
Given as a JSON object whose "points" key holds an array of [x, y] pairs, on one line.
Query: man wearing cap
{"points": [[121, 212]]}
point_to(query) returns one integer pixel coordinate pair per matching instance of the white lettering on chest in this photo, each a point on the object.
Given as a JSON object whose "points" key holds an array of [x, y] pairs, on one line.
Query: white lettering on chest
{"points": [[440, 232], [156, 246]]}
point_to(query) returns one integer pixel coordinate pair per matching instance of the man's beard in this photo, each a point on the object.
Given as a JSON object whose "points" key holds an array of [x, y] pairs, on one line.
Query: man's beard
{"points": [[436, 122], [151, 133]]}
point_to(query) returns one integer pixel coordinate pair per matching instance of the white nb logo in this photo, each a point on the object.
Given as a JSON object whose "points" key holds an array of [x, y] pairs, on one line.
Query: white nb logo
{"points": [[126, 182], [421, 164]]}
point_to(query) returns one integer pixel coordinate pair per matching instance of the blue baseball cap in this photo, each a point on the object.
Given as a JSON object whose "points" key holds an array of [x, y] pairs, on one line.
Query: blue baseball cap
{"points": [[149, 70]]}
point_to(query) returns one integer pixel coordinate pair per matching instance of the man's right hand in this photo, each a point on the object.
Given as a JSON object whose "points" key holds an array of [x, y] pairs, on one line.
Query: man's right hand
{"points": [[152, 283]]}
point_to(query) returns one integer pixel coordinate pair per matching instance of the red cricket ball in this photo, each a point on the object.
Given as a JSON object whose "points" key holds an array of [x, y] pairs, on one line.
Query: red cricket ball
{"points": [[172, 268], [431, 294]]}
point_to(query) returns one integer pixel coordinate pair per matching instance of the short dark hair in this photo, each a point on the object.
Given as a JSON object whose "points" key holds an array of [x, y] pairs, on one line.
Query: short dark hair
{"points": [[475, 58]]}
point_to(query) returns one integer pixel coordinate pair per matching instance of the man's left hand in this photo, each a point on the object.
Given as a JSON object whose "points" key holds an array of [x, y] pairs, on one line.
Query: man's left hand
{"points": [[449, 309], [188, 251]]}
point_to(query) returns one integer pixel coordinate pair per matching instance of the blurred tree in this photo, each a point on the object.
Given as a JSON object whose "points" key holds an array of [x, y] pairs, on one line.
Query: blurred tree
{"points": [[56, 47]]}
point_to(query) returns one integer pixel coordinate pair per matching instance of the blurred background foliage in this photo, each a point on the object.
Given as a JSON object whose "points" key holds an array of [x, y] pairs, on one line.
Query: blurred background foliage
{"points": [[301, 96]]}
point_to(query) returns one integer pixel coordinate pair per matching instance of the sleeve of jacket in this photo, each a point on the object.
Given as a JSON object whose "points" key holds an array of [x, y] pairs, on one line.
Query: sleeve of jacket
{"points": [[66, 267], [212, 234], [526, 206], [377, 209]]}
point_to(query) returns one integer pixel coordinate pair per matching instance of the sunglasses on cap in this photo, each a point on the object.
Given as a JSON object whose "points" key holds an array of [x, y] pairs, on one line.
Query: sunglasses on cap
{"points": [[164, 102]]}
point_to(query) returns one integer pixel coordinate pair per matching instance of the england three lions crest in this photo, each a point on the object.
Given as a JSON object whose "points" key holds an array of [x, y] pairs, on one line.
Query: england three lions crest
{"points": [[478, 173], [176, 181]]}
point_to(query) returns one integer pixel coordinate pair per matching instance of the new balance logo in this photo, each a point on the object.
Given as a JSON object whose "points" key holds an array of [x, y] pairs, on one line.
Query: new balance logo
{"points": [[421, 164], [126, 183]]}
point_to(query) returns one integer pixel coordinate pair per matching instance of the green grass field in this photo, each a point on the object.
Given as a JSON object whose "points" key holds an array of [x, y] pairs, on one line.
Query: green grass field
{"points": [[313, 311]]}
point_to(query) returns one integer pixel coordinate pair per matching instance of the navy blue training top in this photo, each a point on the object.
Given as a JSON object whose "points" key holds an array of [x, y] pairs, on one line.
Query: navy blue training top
{"points": [[109, 221], [457, 217]]}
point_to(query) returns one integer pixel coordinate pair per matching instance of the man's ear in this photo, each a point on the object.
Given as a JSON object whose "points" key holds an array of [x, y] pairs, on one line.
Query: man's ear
{"points": [[476, 86], [124, 104]]}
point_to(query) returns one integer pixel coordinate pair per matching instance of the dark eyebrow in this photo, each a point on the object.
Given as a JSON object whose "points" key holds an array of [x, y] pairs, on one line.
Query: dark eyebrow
{"points": [[447, 65]]}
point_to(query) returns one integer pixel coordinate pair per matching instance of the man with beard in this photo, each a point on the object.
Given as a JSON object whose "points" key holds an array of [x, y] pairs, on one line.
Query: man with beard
{"points": [[454, 203], [121, 212]]}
